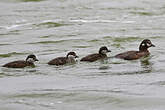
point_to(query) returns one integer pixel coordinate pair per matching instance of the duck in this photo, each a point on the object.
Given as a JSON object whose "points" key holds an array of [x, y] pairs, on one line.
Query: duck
{"points": [[69, 59], [96, 56], [142, 52], [22, 63]]}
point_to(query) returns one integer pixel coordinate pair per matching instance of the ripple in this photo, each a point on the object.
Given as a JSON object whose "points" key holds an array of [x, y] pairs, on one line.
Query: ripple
{"points": [[55, 99], [64, 93], [55, 42], [49, 24], [126, 39], [47, 36], [100, 21], [4, 44], [144, 13], [117, 45], [11, 54], [132, 72], [31, 0], [16, 72], [3, 75], [94, 40], [48, 42], [160, 83], [122, 38], [16, 26], [42, 24], [93, 21], [82, 46]]}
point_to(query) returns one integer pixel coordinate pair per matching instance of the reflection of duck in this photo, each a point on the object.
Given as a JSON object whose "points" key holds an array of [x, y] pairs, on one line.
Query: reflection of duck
{"points": [[93, 57], [21, 63], [146, 65], [133, 55], [70, 58], [145, 62]]}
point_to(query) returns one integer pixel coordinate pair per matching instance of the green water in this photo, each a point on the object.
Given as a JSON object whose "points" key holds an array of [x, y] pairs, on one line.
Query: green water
{"points": [[51, 28]]}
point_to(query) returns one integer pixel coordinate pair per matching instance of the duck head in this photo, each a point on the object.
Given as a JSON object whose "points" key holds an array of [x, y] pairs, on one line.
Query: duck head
{"points": [[31, 58], [72, 54], [103, 50], [145, 44]]}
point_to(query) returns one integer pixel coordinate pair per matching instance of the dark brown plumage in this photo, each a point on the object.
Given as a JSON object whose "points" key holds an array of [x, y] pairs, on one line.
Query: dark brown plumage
{"points": [[100, 55], [21, 63], [133, 55], [70, 58], [18, 64]]}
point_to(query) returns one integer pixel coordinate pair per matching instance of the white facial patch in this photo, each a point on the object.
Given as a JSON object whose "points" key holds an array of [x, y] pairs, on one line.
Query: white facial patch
{"points": [[149, 44], [30, 60], [143, 44], [104, 51], [71, 56]]}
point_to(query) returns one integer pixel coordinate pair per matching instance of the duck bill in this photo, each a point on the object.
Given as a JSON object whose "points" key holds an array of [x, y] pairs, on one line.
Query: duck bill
{"points": [[36, 59], [108, 51], [76, 56], [152, 45]]}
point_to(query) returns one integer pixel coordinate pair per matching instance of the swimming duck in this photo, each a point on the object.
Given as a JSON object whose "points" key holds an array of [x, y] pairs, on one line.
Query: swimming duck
{"points": [[96, 56], [70, 58], [133, 55], [22, 63]]}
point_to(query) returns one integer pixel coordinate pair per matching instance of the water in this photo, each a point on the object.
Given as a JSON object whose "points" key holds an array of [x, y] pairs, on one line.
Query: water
{"points": [[51, 28]]}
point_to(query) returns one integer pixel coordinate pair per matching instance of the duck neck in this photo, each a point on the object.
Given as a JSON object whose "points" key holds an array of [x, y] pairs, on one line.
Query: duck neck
{"points": [[70, 60], [29, 62], [103, 54], [143, 48]]}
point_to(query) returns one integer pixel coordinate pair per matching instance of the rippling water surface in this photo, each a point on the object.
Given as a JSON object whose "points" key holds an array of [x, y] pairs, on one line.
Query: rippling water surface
{"points": [[51, 28]]}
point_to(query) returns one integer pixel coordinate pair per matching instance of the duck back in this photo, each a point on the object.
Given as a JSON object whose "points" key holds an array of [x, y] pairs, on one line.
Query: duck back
{"points": [[58, 61], [132, 55], [18, 64], [93, 57]]}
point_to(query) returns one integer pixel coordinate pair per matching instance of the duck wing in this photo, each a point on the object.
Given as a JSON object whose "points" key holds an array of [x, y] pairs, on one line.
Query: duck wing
{"points": [[93, 57], [16, 64], [129, 55], [58, 61]]}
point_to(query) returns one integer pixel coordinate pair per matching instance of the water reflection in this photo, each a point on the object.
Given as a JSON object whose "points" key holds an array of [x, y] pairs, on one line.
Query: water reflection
{"points": [[15, 72], [146, 65]]}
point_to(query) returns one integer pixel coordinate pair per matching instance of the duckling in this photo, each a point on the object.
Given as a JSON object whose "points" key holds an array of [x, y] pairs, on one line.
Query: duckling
{"points": [[133, 55], [70, 58], [96, 56], [21, 63]]}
